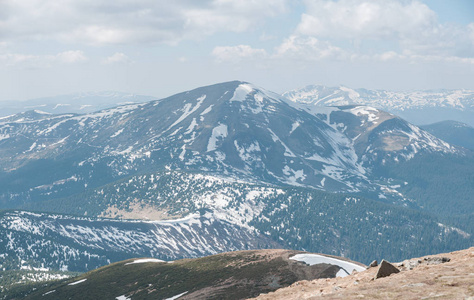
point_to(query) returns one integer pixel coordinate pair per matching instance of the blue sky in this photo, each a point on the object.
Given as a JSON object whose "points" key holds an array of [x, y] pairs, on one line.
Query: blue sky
{"points": [[157, 47]]}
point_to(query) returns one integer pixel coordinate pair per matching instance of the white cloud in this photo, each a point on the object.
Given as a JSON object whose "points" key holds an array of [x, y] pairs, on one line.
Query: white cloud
{"points": [[42, 61], [232, 15], [70, 57], [367, 31], [309, 48], [471, 32], [235, 54], [414, 58], [102, 22], [365, 19], [117, 58], [378, 30]]}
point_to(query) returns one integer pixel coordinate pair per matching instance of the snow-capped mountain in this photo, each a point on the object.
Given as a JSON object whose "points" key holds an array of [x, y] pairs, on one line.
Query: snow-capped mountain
{"points": [[250, 158], [376, 135], [418, 107], [233, 129], [79, 103]]}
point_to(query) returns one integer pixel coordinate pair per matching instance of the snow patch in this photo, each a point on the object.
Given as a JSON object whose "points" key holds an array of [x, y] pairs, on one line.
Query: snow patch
{"points": [[117, 133], [245, 154], [353, 95], [370, 112], [241, 92], [77, 282], [314, 259], [219, 132], [191, 126], [47, 293], [177, 296], [207, 110], [183, 153], [41, 112], [294, 176], [294, 126], [145, 260], [187, 110]]}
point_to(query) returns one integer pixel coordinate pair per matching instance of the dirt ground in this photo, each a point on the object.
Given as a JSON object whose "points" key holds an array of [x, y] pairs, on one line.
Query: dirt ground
{"points": [[421, 278]]}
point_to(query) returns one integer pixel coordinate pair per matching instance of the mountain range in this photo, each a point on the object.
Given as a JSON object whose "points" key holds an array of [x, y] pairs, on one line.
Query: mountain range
{"points": [[79, 103], [227, 167], [419, 107]]}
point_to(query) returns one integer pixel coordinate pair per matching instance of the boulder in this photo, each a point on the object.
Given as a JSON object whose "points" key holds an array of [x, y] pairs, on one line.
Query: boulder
{"points": [[386, 269], [373, 264]]}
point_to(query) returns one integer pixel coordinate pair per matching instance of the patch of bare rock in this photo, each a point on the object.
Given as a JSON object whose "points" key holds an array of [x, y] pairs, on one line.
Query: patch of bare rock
{"points": [[443, 276]]}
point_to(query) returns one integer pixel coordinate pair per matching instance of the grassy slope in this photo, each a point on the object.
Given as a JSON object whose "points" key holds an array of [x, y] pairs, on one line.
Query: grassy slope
{"points": [[233, 275]]}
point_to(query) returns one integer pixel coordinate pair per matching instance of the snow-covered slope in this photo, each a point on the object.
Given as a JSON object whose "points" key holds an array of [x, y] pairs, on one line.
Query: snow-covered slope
{"points": [[378, 135], [233, 129], [60, 242], [419, 107], [295, 217]]}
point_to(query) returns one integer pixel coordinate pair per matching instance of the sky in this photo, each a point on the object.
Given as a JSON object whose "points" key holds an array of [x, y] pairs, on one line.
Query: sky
{"points": [[162, 47]]}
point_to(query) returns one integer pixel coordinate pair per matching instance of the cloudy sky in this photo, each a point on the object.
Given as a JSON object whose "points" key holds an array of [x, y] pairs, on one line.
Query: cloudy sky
{"points": [[158, 47]]}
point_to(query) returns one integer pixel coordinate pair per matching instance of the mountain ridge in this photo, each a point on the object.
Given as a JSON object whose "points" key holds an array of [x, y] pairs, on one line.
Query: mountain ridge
{"points": [[456, 133], [231, 275], [250, 159], [418, 106]]}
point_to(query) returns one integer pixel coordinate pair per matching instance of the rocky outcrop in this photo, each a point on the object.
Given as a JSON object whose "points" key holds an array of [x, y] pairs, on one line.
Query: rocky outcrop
{"points": [[410, 264], [386, 269], [445, 276], [373, 264]]}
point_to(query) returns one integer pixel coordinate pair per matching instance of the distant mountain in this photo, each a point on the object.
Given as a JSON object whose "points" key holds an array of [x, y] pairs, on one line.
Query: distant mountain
{"points": [[402, 159], [418, 107], [232, 275], [79, 103], [300, 175], [453, 132]]}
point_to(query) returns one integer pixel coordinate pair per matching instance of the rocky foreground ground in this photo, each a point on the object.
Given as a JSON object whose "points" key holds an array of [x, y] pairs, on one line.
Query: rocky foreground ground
{"points": [[443, 276]]}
